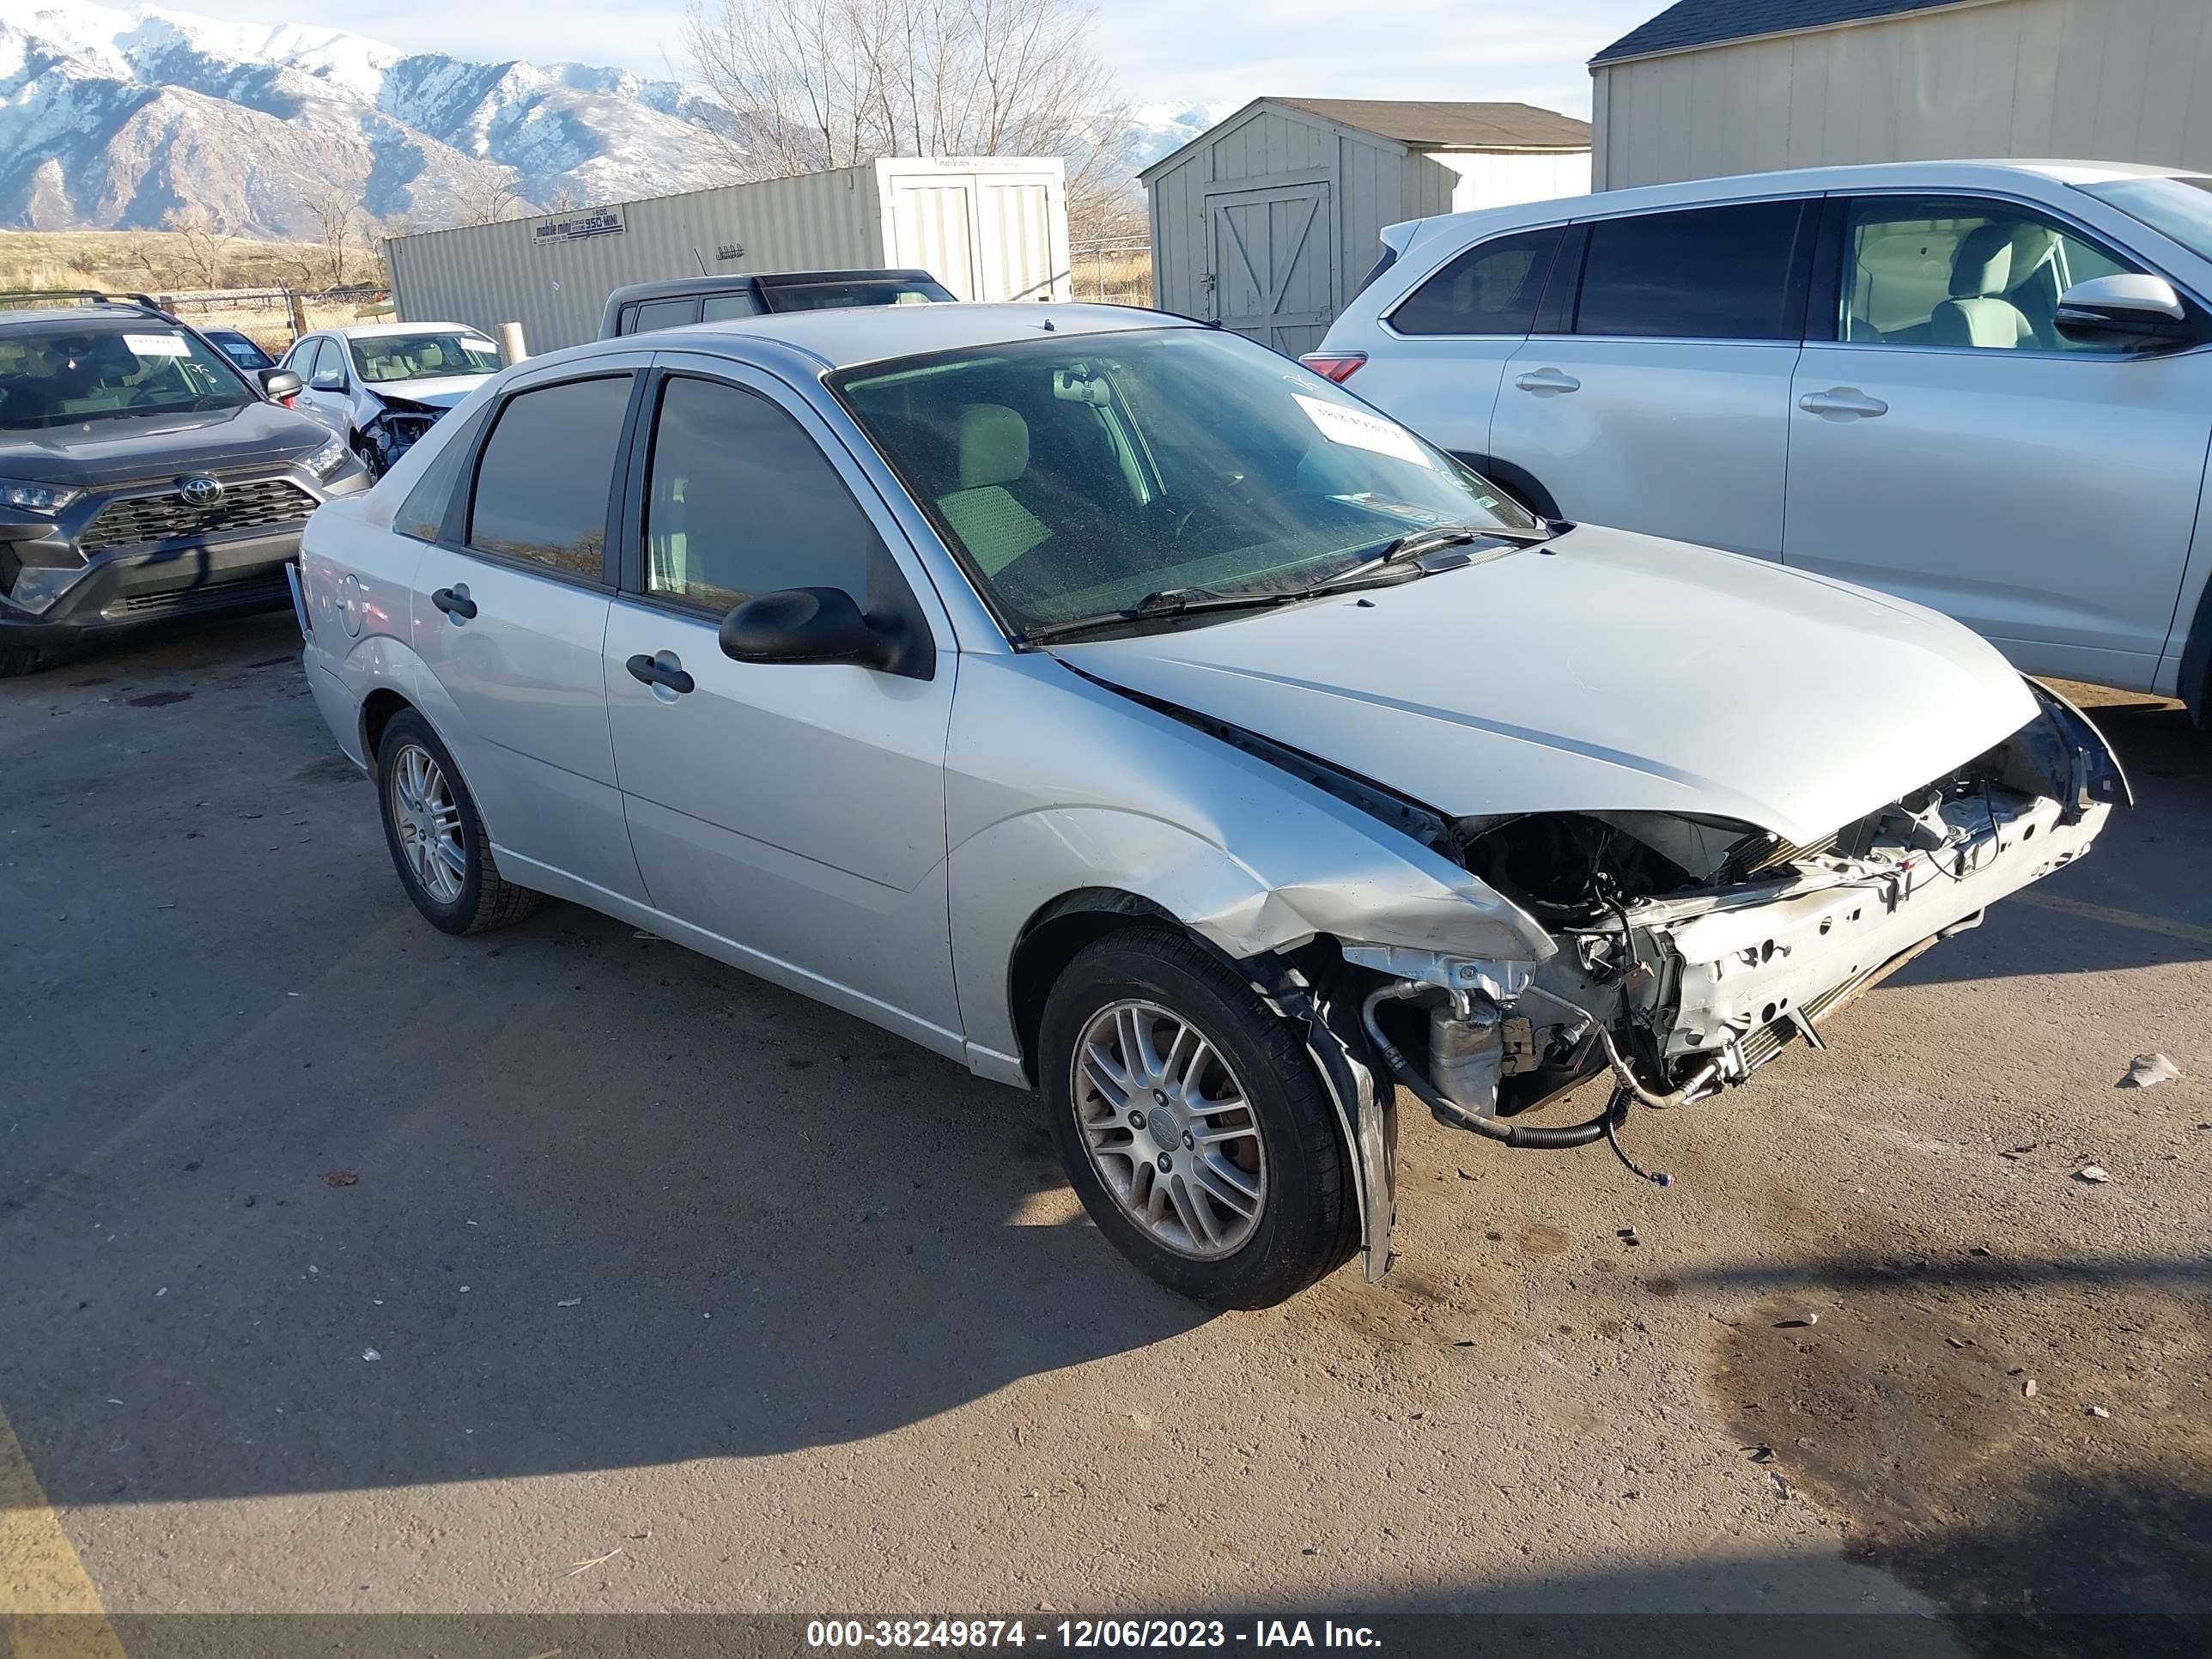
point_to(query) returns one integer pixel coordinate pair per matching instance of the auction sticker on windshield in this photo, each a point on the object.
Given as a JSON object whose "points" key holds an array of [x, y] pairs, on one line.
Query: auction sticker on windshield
{"points": [[158, 345], [1361, 430]]}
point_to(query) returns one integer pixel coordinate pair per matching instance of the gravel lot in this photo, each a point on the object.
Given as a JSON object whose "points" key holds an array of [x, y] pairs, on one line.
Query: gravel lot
{"points": [[345, 1267]]}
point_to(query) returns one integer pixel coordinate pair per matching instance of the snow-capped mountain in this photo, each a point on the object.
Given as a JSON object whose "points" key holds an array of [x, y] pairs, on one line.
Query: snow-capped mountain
{"points": [[111, 118], [1157, 129]]}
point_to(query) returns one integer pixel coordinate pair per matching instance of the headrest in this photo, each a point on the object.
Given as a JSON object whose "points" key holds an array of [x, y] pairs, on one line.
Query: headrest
{"points": [[994, 445], [1983, 266]]}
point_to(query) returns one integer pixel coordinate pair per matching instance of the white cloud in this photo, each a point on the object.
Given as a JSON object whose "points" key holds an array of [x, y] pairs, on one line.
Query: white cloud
{"points": [[1169, 52]]}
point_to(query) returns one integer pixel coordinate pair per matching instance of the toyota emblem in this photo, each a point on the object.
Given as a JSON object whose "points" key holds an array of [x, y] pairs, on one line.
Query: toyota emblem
{"points": [[200, 490]]}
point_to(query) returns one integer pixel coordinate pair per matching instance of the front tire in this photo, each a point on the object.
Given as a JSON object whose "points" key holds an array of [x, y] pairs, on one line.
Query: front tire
{"points": [[17, 660], [438, 842], [1192, 1124]]}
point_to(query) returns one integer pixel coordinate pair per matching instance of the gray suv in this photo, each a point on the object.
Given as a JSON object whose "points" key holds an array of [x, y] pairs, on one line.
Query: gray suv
{"points": [[143, 475]]}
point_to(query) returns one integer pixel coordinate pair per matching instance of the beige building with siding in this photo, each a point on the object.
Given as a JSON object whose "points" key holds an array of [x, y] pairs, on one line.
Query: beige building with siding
{"points": [[1714, 86]]}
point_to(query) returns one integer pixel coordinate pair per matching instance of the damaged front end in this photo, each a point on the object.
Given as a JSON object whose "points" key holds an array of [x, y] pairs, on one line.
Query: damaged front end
{"points": [[398, 426], [1690, 951]]}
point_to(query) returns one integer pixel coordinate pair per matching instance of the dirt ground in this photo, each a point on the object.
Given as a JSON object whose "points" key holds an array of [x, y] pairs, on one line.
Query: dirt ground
{"points": [[349, 1269]]}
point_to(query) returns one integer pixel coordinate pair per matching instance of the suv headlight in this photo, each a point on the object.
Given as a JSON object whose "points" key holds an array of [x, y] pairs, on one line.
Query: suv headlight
{"points": [[329, 457], [36, 497]]}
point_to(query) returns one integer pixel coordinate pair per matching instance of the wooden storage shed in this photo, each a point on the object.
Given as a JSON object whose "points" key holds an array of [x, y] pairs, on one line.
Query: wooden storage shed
{"points": [[1266, 223]]}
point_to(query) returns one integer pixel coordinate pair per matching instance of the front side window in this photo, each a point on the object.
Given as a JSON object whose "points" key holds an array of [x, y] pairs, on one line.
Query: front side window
{"points": [[739, 500], [1716, 273], [62, 376], [391, 359], [543, 482], [1492, 288], [1077, 477], [1962, 271]]}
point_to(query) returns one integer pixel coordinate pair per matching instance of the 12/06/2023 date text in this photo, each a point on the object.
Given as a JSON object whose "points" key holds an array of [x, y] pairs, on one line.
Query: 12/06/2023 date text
{"points": [[1084, 1633]]}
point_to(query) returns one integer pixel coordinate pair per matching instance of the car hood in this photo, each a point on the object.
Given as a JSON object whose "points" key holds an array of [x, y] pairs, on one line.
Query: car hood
{"points": [[1607, 672], [442, 392], [120, 448]]}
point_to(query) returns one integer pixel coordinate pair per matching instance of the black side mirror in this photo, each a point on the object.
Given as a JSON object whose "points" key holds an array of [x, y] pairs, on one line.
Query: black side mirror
{"points": [[280, 384], [822, 625]]}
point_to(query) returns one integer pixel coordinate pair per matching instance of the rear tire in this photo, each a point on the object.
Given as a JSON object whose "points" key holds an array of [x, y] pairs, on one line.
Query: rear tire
{"points": [[1192, 1124], [437, 841]]}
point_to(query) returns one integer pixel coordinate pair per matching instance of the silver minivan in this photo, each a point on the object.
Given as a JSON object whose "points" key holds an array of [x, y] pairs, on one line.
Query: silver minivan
{"points": [[1982, 386]]}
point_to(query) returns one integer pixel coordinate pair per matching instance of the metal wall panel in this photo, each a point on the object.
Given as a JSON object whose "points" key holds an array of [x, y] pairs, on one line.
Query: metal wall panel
{"points": [[556, 287], [2092, 80]]}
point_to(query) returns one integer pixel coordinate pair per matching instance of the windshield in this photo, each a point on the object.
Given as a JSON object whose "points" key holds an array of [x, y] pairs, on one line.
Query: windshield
{"points": [[1079, 476], [68, 375], [2178, 207], [858, 291], [386, 359]]}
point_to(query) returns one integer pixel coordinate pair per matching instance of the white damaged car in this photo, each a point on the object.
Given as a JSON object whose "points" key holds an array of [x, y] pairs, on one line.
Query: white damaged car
{"points": [[1122, 710]]}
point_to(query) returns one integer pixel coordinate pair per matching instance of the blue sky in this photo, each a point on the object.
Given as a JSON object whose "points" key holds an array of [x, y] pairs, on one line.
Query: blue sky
{"points": [[1177, 52]]}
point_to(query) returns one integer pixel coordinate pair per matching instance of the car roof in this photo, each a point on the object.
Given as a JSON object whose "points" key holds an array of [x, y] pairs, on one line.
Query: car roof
{"points": [[379, 330], [76, 316], [867, 334], [1989, 174]]}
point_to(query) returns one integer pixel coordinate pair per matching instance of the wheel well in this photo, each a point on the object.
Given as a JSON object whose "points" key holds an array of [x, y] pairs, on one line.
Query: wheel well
{"points": [[376, 712], [1049, 941]]}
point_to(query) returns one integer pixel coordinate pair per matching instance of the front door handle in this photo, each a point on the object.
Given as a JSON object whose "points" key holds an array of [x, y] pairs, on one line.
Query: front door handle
{"points": [[1548, 380], [455, 602], [663, 670], [1842, 403]]}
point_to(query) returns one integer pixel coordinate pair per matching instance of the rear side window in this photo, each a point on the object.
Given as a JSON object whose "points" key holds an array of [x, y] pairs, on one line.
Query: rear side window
{"points": [[740, 500], [542, 484], [422, 515], [1492, 288], [1721, 273], [720, 308], [302, 360], [660, 313]]}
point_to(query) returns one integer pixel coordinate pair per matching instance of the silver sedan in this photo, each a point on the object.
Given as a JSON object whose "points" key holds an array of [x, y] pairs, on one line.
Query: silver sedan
{"points": [[1125, 712]]}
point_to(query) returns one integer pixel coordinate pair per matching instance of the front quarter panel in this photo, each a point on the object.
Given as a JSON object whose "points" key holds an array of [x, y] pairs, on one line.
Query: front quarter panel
{"points": [[1056, 784]]}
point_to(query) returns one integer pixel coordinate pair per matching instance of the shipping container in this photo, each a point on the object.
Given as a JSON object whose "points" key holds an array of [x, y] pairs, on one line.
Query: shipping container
{"points": [[988, 227]]}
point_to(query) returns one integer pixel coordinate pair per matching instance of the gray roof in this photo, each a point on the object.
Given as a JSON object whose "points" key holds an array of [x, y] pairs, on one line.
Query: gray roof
{"points": [[1691, 23], [1433, 125]]}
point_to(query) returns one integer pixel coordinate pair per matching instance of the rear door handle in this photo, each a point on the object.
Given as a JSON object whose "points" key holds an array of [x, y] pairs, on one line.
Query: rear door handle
{"points": [[1842, 403], [455, 602], [1548, 380], [663, 670]]}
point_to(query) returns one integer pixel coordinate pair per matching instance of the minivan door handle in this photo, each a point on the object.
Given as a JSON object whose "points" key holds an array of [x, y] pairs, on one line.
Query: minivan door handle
{"points": [[665, 670], [1548, 380], [1842, 403], [455, 602]]}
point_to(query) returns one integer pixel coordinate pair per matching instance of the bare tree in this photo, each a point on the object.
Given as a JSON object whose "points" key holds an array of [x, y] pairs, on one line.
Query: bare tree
{"points": [[342, 234], [204, 239], [486, 195], [828, 83]]}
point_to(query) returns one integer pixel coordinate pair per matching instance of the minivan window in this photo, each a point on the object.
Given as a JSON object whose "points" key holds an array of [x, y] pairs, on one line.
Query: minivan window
{"points": [[1716, 273], [1492, 288], [542, 485], [2178, 207], [739, 500]]}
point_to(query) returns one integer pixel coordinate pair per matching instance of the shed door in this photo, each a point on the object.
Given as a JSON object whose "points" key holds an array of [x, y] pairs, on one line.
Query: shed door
{"points": [[1015, 216], [934, 218], [1274, 267]]}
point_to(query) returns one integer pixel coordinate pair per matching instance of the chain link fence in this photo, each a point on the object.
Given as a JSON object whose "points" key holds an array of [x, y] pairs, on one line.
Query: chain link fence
{"points": [[1117, 272]]}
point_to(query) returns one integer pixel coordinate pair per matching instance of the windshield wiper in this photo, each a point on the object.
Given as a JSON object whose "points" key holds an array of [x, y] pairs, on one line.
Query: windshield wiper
{"points": [[1420, 543], [1165, 602]]}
